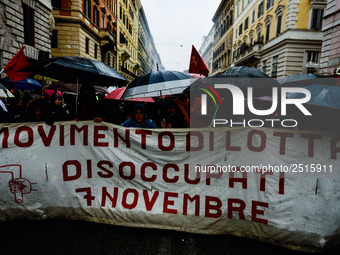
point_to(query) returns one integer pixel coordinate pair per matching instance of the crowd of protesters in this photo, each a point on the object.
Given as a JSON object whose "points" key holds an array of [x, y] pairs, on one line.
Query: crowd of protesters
{"points": [[170, 112], [51, 106]]}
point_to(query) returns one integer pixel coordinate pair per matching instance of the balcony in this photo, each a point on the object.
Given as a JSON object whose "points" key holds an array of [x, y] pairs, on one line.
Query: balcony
{"points": [[247, 55], [127, 72]]}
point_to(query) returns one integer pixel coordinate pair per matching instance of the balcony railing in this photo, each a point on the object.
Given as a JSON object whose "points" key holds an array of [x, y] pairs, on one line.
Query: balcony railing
{"points": [[126, 71]]}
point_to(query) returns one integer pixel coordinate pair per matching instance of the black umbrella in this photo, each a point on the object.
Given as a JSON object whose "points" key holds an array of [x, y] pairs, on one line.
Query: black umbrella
{"points": [[78, 70], [244, 77], [241, 76], [245, 71], [297, 78], [321, 95], [306, 80], [158, 83]]}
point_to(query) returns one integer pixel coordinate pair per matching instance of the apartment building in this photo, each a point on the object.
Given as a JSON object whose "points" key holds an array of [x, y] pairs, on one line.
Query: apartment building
{"points": [[26, 23], [148, 57], [206, 49], [330, 54], [103, 30], [280, 37], [85, 28], [223, 37]]}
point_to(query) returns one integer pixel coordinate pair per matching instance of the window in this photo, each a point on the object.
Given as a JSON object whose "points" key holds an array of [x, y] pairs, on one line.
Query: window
{"points": [[246, 24], [313, 56], [259, 39], [103, 21], [240, 31], [95, 15], [54, 39], [236, 33], [269, 4], [56, 3], [87, 8], [131, 13], [120, 13], [274, 66], [251, 37], [95, 50], [87, 45], [108, 59], [242, 5], [130, 29], [264, 66], [278, 24], [317, 15], [237, 9], [260, 10], [253, 17], [28, 25], [267, 32]]}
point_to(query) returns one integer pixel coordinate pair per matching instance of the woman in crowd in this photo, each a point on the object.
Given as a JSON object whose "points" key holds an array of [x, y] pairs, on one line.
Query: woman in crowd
{"points": [[59, 113]]}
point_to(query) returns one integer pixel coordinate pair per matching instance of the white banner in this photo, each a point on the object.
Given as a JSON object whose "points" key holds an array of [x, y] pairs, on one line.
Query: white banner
{"points": [[278, 186]]}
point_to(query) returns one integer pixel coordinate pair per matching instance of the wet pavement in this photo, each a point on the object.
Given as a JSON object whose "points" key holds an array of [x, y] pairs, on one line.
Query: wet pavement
{"points": [[78, 237]]}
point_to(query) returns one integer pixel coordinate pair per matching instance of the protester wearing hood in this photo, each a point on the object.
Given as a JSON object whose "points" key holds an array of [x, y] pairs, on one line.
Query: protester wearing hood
{"points": [[88, 106], [139, 118], [173, 116], [38, 109], [59, 113]]}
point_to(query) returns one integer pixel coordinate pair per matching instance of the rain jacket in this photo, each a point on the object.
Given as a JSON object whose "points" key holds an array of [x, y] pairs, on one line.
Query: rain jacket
{"points": [[147, 123]]}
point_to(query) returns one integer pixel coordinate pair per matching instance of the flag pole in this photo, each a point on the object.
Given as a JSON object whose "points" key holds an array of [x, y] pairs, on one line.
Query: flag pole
{"points": [[77, 97]]}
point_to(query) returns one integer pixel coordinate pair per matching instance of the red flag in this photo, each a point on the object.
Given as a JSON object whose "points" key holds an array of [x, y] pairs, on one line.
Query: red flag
{"points": [[197, 64], [18, 62]]}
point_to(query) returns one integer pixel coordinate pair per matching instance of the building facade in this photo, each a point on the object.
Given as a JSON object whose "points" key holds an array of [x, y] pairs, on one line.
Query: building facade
{"points": [[127, 33], [102, 30], [223, 37], [206, 49], [85, 28], [148, 56], [330, 54], [26, 23], [280, 37]]}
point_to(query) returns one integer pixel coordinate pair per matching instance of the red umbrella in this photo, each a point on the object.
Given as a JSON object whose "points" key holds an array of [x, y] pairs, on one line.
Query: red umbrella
{"points": [[117, 94]]}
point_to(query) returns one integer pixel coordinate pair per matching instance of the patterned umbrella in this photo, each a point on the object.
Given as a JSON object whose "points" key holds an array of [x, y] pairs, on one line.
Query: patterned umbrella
{"points": [[158, 83]]}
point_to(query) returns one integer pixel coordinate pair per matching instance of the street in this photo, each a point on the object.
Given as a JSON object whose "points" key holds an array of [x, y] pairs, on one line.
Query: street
{"points": [[77, 237]]}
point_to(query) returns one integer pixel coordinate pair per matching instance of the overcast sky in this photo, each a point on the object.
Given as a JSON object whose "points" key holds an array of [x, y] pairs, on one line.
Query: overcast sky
{"points": [[179, 22]]}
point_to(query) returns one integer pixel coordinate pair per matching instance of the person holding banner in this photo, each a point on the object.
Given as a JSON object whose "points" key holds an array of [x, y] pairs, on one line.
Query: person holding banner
{"points": [[139, 118]]}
